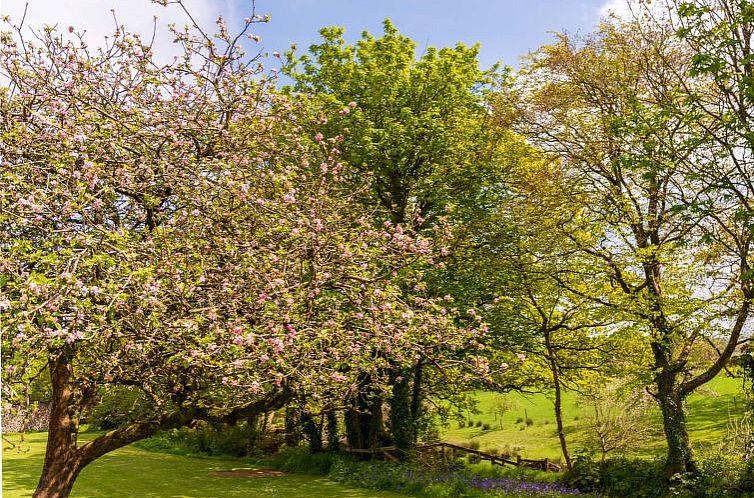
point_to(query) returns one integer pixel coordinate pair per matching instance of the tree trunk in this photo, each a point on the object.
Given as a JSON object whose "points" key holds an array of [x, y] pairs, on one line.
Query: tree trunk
{"points": [[559, 422], [416, 398], [57, 478], [333, 441], [680, 458], [401, 420], [61, 463], [376, 423], [313, 433], [351, 423], [64, 460], [364, 422], [558, 398], [253, 425], [292, 438]]}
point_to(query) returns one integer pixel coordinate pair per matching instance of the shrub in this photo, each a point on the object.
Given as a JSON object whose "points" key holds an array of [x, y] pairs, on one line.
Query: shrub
{"points": [[206, 439], [529, 421], [470, 423], [304, 461], [746, 480], [720, 475], [585, 472], [485, 427], [474, 445], [506, 452], [519, 420], [633, 478], [117, 406], [478, 423], [461, 424]]}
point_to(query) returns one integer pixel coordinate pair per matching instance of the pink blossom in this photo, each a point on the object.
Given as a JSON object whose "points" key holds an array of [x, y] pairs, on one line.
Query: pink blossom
{"points": [[339, 377]]}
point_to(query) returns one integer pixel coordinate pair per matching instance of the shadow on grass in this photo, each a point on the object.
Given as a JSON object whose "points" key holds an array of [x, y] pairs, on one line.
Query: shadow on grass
{"points": [[130, 472]]}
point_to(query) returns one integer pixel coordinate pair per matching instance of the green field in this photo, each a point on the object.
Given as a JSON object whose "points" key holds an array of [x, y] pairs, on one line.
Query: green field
{"points": [[131, 472], [708, 417]]}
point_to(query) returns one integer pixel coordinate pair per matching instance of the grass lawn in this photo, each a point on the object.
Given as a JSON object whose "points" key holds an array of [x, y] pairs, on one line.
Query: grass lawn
{"points": [[131, 472], [708, 417]]}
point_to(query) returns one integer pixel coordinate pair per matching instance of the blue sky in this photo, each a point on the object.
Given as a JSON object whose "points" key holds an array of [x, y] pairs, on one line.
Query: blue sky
{"points": [[506, 29]]}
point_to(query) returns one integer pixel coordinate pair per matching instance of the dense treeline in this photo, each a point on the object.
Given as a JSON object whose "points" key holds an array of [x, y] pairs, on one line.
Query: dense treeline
{"points": [[384, 233]]}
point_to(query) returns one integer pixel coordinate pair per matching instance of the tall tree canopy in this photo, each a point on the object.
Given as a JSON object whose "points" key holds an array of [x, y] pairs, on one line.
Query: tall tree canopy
{"points": [[417, 133], [658, 219], [417, 127], [164, 227]]}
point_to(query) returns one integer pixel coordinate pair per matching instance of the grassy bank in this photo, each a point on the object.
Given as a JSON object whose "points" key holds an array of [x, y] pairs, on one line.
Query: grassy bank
{"points": [[709, 413]]}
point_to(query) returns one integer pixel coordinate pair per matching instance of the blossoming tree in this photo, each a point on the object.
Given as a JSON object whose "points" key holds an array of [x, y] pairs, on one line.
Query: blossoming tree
{"points": [[168, 227]]}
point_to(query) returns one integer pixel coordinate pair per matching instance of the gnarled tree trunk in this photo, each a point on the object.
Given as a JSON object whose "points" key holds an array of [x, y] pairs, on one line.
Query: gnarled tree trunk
{"points": [[62, 464], [64, 460], [680, 458]]}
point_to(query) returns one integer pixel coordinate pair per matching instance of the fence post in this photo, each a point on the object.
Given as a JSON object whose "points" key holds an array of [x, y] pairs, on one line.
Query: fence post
{"points": [[518, 460], [547, 464]]}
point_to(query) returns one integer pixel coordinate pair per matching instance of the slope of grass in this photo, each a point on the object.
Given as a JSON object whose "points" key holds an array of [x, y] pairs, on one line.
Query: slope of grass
{"points": [[709, 413], [131, 472]]}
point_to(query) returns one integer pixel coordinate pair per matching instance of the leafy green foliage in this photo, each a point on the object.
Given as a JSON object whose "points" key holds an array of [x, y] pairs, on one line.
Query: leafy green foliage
{"points": [[118, 406], [418, 130]]}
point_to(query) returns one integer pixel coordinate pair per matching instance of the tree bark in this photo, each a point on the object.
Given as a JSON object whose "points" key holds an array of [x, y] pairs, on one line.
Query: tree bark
{"points": [[64, 460], [61, 464], [401, 420], [333, 439], [559, 420], [364, 421], [292, 438], [416, 397], [680, 457], [313, 433], [558, 399]]}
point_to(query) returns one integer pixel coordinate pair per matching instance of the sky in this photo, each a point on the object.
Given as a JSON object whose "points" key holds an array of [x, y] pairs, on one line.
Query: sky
{"points": [[506, 29]]}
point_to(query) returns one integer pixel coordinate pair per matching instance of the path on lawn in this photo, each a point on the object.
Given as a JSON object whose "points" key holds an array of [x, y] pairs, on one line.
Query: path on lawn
{"points": [[131, 472]]}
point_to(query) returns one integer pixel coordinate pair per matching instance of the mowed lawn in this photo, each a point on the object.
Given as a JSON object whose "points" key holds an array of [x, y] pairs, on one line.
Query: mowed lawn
{"points": [[131, 472], [709, 414]]}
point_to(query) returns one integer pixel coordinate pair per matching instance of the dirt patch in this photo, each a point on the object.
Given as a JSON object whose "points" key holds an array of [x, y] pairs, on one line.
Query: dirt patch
{"points": [[248, 473]]}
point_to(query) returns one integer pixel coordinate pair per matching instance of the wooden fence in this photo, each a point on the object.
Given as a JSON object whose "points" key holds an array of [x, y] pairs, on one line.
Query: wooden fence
{"points": [[388, 453]]}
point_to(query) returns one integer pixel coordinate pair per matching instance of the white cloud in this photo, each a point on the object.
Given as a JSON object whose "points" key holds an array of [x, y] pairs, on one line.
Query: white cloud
{"points": [[96, 17], [618, 8]]}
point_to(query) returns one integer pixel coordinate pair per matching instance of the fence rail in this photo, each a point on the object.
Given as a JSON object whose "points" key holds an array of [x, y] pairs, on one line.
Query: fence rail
{"points": [[388, 452]]}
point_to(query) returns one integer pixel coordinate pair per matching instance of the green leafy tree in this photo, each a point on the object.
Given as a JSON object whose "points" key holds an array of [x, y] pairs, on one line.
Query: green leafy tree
{"points": [[549, 338], [659, 221], [417, 131]]}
